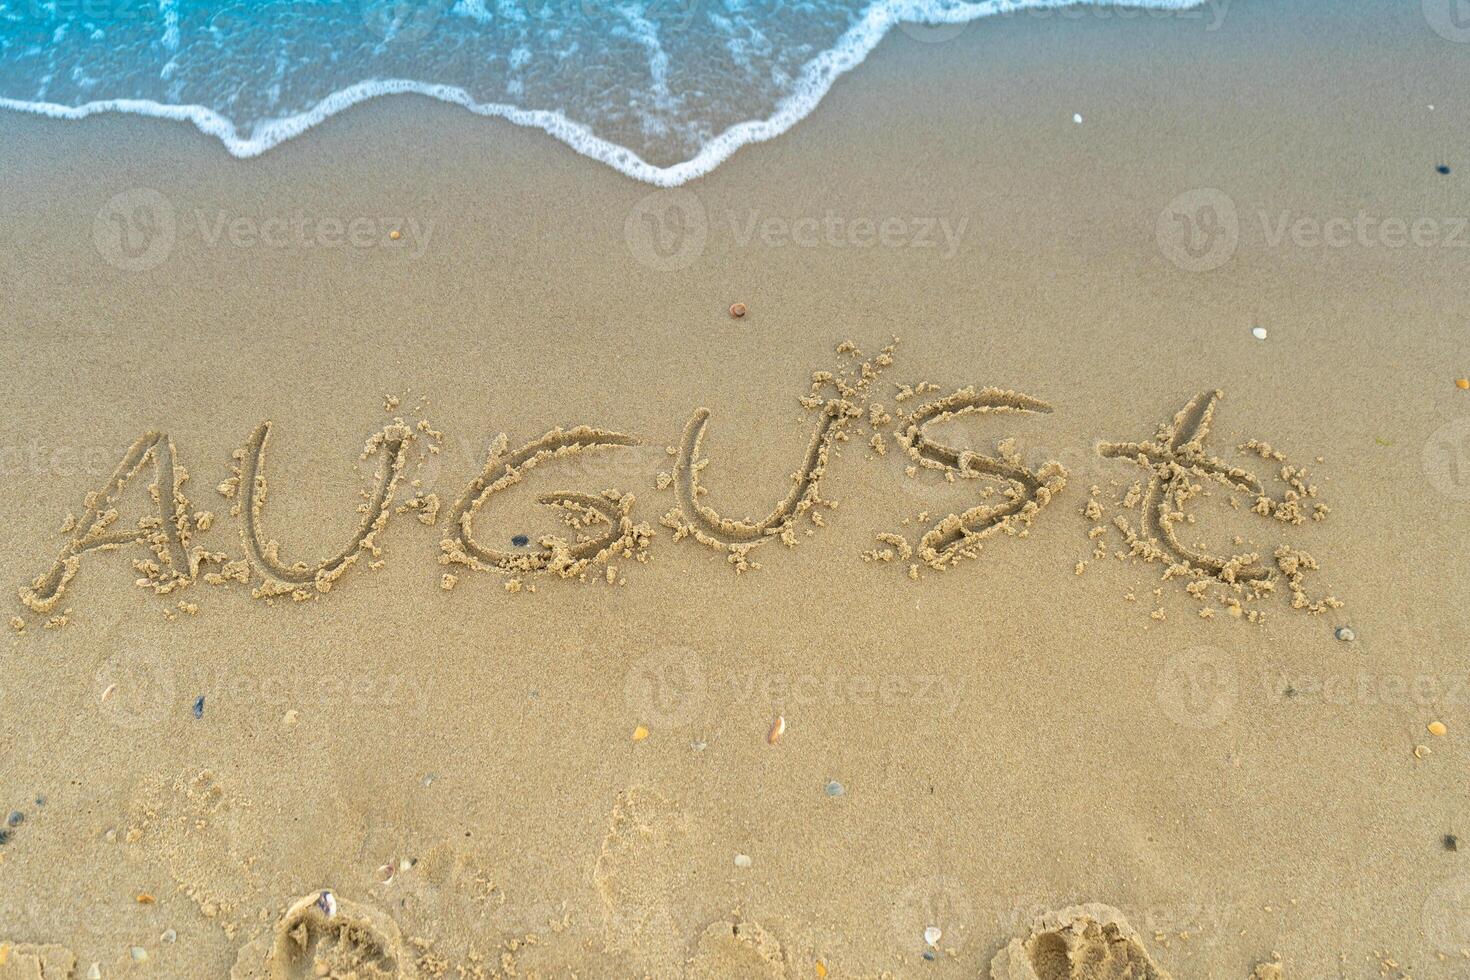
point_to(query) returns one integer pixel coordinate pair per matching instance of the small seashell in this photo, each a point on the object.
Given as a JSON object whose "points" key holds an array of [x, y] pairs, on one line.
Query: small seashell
{"points": [[834, 788], [1346, 634], [1437, 729], [1421, 751], [640, 733], [931, 935], [108, 692], [327, 902], [778, 728], [386, 872], [169, 936], [94, 972], [737, 310], [139, 954], [1258, 332], [742, 861], [146, 899]]}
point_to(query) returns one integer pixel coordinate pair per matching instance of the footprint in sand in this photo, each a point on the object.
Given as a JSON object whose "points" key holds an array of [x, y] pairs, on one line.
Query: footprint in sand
{"points": [[1081, 942], [325, 935], [732, 948], [638, 872], [28, 961]]}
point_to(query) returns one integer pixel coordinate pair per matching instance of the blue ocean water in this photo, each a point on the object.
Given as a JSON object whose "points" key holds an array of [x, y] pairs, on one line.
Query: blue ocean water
{"points": [[662, 90]]}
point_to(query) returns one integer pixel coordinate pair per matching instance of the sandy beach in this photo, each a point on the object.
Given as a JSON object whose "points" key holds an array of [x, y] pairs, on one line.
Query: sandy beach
{"points": [[844, 740]]}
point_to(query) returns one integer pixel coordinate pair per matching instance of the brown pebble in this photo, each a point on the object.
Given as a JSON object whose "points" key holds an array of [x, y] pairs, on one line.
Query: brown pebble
{"points": [[737, 310], [145, 899]]}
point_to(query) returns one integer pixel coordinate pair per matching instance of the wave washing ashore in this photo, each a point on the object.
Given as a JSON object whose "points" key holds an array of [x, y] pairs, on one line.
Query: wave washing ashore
{"points": [[661, 90]]}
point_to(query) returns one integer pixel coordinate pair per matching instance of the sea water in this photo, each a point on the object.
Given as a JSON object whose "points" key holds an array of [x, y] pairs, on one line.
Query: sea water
{"points": [[662, 90]]}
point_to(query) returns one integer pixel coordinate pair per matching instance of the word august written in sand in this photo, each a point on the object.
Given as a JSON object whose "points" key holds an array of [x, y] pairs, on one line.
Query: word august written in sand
{"points": [[171, 541]]}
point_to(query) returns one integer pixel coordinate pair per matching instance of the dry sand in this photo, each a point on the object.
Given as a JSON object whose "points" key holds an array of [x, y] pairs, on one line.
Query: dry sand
{"points": [[556, 758]]}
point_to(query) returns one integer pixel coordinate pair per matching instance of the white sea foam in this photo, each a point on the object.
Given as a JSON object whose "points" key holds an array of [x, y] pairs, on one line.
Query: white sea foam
{"points": [[784, 109]]}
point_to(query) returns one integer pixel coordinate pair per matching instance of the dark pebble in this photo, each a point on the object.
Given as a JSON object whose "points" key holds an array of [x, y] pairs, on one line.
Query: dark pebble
{"points": [[4, 836], [1442, 169], [1451, 842], [929, 955], [199, 706], [520, 540], [15, 818]]}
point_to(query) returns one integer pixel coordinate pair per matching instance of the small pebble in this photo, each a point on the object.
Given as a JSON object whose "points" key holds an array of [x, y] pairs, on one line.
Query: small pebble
{"points": [[15, 818], [94, 972], [395, 234], [199, 706], [1077, 118], [1258, 332], [931, 935], [169, 936], [1462, 383], [429, 778], [640, 733], [1442, 169], [146, 899], [139, 954], [1346, 634], [742, 861], [1437, 729], [4, 837], [289, 719], [520, 540], [737, 310], [1451, 842], [834, 788], [929, 955]]}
